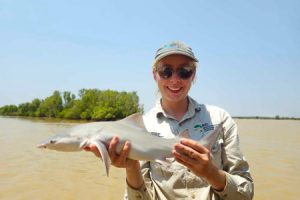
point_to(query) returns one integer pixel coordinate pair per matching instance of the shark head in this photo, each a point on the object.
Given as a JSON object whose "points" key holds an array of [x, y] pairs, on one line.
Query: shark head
{"points": [[63, 143]]}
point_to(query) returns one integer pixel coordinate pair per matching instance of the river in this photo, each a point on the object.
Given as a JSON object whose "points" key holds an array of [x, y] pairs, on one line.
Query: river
{"points": [[272, 148]]}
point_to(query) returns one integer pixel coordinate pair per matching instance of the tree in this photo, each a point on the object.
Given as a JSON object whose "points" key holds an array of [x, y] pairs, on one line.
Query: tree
{"points": [[92, 104], [51, 106], [68, 98], [10, 110]]}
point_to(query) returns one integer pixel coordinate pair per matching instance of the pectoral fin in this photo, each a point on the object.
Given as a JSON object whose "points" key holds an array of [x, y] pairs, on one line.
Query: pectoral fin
{"points": [[163, 162], [104, 154]]}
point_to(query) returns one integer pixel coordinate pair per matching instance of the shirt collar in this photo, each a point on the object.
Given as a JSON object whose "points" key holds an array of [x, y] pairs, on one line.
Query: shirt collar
{"points": [[192, 109]]}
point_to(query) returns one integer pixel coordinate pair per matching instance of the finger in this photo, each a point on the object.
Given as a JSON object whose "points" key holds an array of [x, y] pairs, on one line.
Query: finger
{"points": [[93, 149], [125, 152], [87, 148], [125, 149], [187, 151], [184, 160], [112, 147], [194, 145]]}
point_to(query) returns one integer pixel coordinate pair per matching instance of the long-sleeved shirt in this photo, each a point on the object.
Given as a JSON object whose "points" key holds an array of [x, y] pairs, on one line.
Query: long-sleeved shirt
{"points": [[176, 181]]}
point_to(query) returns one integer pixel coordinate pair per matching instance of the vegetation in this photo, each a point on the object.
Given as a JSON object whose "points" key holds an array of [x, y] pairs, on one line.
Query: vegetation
{"points": [[92, 104]]}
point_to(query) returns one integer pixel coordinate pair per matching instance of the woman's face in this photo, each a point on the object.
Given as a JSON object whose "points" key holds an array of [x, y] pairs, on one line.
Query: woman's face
{"points": [[173, 88]]}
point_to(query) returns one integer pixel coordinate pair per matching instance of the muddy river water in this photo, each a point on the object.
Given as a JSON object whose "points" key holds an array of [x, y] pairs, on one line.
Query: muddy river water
{"points": [[272, 148]]}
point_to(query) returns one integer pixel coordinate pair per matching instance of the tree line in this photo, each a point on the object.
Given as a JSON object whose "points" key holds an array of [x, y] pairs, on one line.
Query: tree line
{"points": [[91, 104]]}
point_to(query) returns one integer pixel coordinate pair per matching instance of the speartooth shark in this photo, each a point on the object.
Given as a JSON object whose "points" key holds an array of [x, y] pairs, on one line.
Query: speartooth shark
{"points": [[144, 145]]}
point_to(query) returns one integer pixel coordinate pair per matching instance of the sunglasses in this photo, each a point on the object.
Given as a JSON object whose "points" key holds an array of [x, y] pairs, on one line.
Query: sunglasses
{"points": [[184, 72]]}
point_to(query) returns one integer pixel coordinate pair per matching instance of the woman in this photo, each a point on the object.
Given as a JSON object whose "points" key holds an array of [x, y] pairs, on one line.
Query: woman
{"points": [[196, 172]]}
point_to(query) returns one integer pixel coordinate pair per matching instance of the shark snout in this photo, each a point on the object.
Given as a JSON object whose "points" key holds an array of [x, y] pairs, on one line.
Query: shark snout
{"points": [[41, 146]]}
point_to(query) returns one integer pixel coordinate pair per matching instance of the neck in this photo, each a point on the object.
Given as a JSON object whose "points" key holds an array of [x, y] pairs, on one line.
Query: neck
{"points": [[175, 109]]}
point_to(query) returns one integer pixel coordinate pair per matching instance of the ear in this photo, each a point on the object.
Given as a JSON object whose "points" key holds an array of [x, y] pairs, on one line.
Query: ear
{"points": [[154, 73], [194, 76]]}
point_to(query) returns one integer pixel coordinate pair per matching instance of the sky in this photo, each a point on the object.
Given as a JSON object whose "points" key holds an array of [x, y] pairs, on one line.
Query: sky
{"points": [[248, 50]]}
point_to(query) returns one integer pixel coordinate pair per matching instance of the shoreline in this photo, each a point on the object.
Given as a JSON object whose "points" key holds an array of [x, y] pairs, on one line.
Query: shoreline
{"points": [[82, 120], [265, 118]]}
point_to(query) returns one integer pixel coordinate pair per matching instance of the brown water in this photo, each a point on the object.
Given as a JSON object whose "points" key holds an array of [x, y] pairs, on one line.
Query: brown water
{"points": [[271, 147]]}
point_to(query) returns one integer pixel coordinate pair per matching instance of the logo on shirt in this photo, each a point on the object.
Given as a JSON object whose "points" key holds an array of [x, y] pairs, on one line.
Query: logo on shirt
{"points": [[198, 127], [203, 127]]}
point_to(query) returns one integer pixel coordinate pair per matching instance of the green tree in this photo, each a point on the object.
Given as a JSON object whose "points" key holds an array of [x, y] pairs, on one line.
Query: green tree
{"points": [[51, 106], [28, 109], [10, 110], [73, 112], [68, 98], [24, 109], [35, 104], [92, 104]]}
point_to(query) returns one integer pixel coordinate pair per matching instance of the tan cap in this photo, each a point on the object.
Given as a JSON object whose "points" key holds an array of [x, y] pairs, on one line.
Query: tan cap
{"points": [[175, 47]]}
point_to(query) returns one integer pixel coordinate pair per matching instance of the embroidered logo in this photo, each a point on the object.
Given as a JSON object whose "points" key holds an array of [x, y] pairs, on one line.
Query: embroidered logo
{"points": [[198, 127], [205, 127]]}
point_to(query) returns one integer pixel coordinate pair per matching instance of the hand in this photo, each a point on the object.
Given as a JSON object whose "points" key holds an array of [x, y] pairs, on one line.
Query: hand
{"points": [[133, 170], [198, 159], [118, 160]]}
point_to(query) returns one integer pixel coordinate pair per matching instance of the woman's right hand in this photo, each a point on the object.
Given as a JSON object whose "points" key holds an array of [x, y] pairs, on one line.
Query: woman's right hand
{"points": [[133, 169], [118, 160]]}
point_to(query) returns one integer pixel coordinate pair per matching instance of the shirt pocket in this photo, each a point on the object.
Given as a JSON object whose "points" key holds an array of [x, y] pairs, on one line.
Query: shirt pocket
{"points": [[216, 153]]}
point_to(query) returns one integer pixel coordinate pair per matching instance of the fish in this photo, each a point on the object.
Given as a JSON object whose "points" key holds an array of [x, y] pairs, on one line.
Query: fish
{"points": [[144, 145]]}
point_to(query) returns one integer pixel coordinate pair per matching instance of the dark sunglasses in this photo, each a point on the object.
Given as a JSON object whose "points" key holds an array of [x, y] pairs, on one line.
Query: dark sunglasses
{"points": [[184, 72]]}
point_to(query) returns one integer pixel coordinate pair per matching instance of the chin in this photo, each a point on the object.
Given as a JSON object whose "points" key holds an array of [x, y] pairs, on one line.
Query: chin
{"points": [[175, 98]]}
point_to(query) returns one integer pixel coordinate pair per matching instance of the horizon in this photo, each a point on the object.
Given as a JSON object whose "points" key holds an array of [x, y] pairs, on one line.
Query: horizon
{"points": [[248, 52]]}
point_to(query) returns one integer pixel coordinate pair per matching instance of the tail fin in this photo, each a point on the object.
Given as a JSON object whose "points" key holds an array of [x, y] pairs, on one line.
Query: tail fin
{"points": [[104, 154]]}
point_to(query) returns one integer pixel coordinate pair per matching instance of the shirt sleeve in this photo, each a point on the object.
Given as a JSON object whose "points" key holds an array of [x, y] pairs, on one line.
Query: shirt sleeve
{"points": [[146, 191], [239, 183]]}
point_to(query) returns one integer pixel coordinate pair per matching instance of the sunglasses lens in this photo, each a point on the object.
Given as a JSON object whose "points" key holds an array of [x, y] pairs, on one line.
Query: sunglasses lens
{"points": [[165, 72], [185, 72]]}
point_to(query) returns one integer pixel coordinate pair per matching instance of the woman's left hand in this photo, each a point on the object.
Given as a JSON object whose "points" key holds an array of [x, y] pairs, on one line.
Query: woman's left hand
{"points": [[198, 159]]}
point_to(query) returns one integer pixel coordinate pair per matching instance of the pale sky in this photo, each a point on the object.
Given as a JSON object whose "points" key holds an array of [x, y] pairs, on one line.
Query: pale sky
{"points": [[249, 50]]}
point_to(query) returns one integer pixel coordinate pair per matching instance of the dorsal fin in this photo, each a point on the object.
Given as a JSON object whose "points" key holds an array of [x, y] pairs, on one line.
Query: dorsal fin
{"points": [[211, 138], [135, 119]]}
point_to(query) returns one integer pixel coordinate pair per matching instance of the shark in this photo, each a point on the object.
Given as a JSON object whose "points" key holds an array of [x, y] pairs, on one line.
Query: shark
{"points": [[144, 145]]}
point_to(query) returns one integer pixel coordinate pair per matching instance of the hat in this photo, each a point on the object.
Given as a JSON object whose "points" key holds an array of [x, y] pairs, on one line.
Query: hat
{"points": [[175, 47]]}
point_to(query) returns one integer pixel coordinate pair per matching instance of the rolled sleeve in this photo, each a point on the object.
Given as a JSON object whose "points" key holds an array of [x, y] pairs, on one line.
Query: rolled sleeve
{"points": [[144, 192], [239, 183], [140, 193], [236, 188]]}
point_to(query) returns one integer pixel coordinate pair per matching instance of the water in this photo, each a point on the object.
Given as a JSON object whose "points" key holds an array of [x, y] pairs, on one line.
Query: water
{"points": [[27, 172], [270, 146]]}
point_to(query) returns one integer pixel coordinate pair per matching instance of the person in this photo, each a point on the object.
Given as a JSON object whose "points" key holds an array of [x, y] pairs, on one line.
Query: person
{"points": [[196, 171]]}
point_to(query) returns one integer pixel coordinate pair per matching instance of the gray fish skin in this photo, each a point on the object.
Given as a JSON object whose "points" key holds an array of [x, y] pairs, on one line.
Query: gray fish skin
{"points": [[144, 146]]}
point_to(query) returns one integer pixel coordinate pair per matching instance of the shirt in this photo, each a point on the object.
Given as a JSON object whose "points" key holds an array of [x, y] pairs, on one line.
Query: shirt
{"points": [[175, 181]]}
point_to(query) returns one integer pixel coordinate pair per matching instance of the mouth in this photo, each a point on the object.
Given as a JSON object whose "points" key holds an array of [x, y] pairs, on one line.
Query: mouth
{"points": [[174, 89], [41, 146]]}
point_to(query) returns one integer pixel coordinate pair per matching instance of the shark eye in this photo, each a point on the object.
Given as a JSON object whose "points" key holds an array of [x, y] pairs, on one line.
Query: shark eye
{"points": [[52, 141]]}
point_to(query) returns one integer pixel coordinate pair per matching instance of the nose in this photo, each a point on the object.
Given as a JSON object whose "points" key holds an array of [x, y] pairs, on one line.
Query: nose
{"points": [[41, 146], [175, 78]]}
